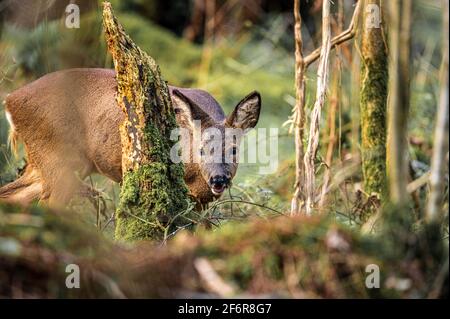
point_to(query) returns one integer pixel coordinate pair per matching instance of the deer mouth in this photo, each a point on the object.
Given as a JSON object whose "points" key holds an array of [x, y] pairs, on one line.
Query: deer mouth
{"points": [[218, 189], [218, 184]]}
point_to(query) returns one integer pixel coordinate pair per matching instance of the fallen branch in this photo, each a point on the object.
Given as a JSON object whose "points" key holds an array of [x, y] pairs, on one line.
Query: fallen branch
{"points": [[213, 282], [418, 183]]}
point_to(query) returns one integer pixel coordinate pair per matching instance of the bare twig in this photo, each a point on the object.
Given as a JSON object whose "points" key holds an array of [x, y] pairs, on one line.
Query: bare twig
{"points": [[216, 204], [344, 36], [109, 221], [302, 64]]}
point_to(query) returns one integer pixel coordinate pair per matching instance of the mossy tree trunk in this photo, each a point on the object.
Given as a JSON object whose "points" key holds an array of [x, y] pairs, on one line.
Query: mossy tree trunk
{"points": [[153, 191], [373, 99]]}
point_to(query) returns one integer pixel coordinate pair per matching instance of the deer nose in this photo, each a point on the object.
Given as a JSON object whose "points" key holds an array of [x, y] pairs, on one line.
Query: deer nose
{"points": [[218, 183], [219, 180]]}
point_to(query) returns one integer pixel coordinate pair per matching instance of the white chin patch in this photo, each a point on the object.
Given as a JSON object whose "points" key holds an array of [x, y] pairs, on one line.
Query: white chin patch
{"points": [[9, 119], [216, 193]]}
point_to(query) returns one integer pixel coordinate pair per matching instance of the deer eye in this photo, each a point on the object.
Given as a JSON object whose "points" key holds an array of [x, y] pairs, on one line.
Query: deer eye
{"points": [[202, 152], [234, 151]]}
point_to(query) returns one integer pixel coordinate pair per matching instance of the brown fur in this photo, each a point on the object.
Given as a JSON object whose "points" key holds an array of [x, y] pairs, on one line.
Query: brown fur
{"points": [[68, 122]]}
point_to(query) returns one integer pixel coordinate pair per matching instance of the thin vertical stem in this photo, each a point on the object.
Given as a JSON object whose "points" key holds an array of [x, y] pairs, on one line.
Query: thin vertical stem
{"points": [[333, 107], [299, 118], [322, 78]]}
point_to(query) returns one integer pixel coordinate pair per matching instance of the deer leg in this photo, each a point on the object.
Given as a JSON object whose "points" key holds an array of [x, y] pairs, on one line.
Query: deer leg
{"points": [[24, 190], [62, 189], [60, 185]]}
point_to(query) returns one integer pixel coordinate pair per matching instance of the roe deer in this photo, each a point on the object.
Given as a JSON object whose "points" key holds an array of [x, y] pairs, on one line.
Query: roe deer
{"points": [[69, 122]]}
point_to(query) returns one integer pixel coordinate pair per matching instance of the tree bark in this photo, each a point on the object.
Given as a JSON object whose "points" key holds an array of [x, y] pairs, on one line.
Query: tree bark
{"points": [[153, 191], [298, 199], [373, 98], [333, 107], [398, 102], [313, 138], [440, 147]]}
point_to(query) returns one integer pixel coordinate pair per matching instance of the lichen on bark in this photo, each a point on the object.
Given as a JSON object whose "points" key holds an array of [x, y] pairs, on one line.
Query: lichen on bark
{"points": [[373, 99], [153, 191]]}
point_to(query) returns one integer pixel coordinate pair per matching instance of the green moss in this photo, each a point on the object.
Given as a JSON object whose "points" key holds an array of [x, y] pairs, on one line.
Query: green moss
{"points": [[153, 193], [150, 198], [373, 95]]}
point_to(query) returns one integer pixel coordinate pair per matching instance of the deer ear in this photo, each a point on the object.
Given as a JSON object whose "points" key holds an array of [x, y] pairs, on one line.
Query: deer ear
{"points": [[186, 110], [246, 114]]}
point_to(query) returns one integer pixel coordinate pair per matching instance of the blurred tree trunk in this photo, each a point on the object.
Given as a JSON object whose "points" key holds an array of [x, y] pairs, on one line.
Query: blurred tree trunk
{"points": [[153, 191], [440, 147], [398, 105], [195, 25], [333, 106], [373, 96], [207, 52], [354, 98]]}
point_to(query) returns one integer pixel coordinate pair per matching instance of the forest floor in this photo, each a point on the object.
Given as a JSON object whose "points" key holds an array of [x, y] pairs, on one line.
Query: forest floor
{"points": [[302, 257]]}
